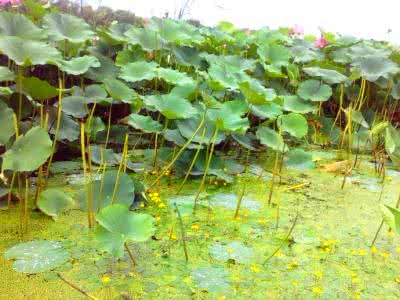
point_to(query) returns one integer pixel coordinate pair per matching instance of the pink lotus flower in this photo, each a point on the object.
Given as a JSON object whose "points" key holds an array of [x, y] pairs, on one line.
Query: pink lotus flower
{"points": [[320, 42], [145, 21], [12, 2], [296, 30]]}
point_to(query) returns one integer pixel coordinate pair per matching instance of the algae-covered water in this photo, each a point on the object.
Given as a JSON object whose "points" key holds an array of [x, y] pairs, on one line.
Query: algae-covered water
{"points": [[327, 256]]}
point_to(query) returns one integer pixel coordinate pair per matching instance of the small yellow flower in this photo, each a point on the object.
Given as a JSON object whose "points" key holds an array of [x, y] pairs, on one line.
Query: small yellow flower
{"points": [[327, 249], [317, 290], [229, 250], [295, 283], [357, 296], [225, 184], [255, 269], [223, 297], [195, 227], [161, 205], [206, 235], [263, 221], [362, 252], [318, 274], [385, 254], [398, 249], [173, 236], [278, 254], [154, 172], [187, 280], [374, 250], [105, 279], [158, 218], [397, 279], [355, 280]]}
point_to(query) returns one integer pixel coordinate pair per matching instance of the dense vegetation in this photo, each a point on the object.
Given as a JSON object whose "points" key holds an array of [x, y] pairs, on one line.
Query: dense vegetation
{"points": [[200, 105]]}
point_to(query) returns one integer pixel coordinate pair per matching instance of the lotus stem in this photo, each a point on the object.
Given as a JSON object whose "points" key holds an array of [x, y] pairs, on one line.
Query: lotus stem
{"points": [[130, 254], [203, 180], [9, 196], [77, 288], [83, 152], [192, 163], [179, 153], [119, 171], [108, 126], [271, 187], [59, 113], [183, 237]]}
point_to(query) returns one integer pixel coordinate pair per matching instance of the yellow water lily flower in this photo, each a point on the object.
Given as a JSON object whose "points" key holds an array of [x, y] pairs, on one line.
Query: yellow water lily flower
{"points": [[255, 269], [317, 290]]}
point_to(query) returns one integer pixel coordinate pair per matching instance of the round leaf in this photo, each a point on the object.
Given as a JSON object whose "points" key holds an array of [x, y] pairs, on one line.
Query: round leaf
{"points": [[314, 90]]}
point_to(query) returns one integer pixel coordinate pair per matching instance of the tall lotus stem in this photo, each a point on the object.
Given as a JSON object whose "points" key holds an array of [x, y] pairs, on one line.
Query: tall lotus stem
{"points": [[119, 169], [179, 153], [83, 152], [203, 180], [108, 126]]}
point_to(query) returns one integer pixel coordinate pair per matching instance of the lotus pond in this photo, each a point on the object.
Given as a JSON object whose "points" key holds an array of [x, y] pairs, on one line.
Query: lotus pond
{"points": [[162, 159]]}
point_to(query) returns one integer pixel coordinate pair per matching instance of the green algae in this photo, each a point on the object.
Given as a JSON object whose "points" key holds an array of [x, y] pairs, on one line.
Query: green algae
{"points": [[327, 257]]}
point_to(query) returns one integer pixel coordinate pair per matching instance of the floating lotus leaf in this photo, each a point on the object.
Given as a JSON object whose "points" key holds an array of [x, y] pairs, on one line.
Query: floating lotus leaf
{"points": [[270, 138], [37, 256], [256, 93], [102, 195], [28, 152], [60, 27], [144, 123], [299, 159], [212, 279], [79, 65], [229, 201], [294, 124], [329, 76], [120, 225], [148, 39], [297, 105], [372, 67], [314, 90], [75, 106], [38, 89], [7, 124], [18, 25], [185, 204], [120, 91], [232, 251], [266, 111], [274, 54], [6, 74], [54, 201], [26, 52], [138, 71]]}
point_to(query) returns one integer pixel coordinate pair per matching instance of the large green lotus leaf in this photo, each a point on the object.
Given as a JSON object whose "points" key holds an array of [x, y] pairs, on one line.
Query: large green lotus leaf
{"points": [[188, 56], [266, 111], [69, 129], [110, 242], [256, 93], [106, 70], [148, 39], [95, 93], [229, 116], [297, 105], [28, 152], [116, 32], [245, 140], [294, 124], [372, 67], [102, 195], [6, 74], [178, 32], [224, 76], [174, 77], [118, 219], [37, 256], [140, 70], [127, 56], [144, 123], [109, 157], [7, 124], [314, 90], [270, 138], [274, 54], [79, 65], [55, 201], [26, 52], [38, 89], [95, 126], [75, 106], [60, 27], [188, 127], [304, 54], [232, 63], [174, 107], [18, 25], [299, 159], [329, 76], [119, 91], [231, 251]]}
